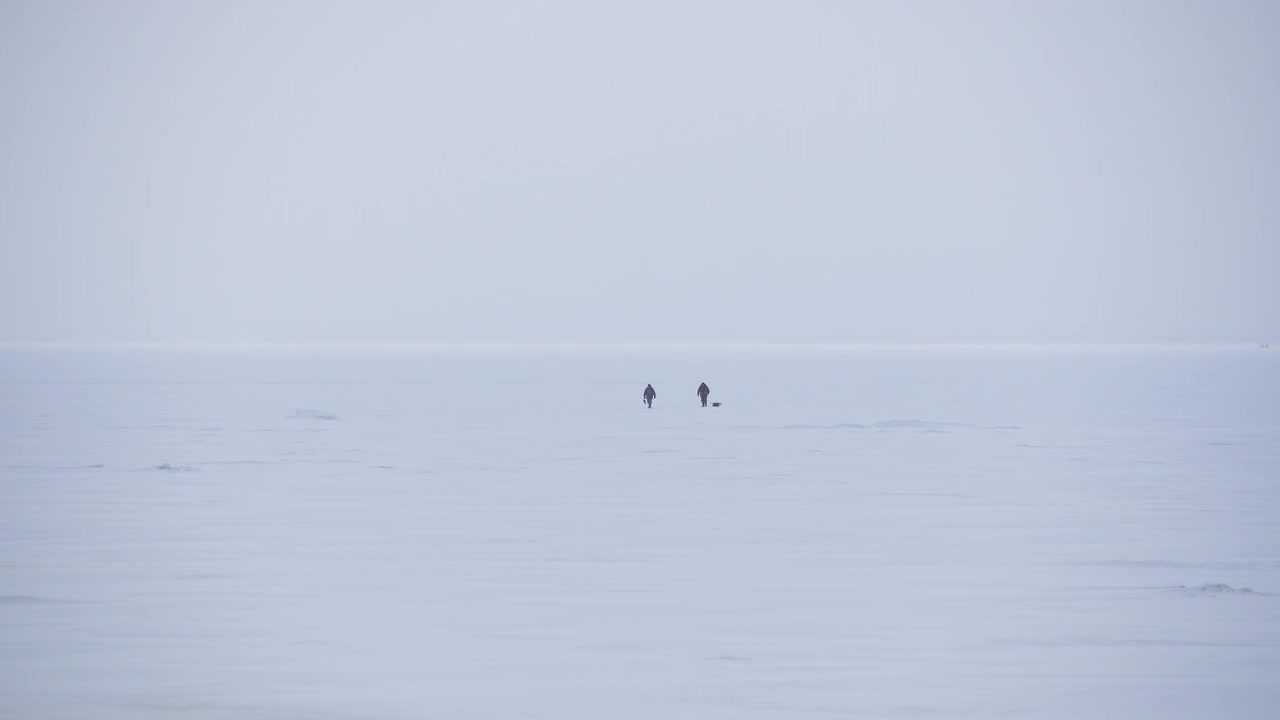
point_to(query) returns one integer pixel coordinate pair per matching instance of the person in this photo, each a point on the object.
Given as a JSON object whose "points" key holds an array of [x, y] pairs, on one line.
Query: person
{"points": [[649, 395], [703, 392]]}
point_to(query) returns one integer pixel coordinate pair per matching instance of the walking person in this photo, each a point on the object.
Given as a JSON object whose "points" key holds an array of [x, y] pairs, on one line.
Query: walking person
{"points": [[703, 392], [649, 395]]}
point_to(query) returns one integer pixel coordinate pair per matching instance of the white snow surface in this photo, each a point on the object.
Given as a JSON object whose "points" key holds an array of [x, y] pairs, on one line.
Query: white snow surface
{"points": [[492, 534]]}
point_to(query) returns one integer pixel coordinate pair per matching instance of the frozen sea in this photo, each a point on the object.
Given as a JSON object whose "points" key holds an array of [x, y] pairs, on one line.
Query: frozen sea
{"points": [[470, 534]]}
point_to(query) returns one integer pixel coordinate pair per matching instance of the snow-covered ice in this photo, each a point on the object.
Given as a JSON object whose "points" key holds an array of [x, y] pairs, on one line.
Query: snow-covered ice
{"points": [[856, 533]]}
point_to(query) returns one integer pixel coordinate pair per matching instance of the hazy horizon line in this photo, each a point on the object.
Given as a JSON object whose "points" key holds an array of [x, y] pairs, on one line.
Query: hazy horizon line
{"points": [[607, 346]]}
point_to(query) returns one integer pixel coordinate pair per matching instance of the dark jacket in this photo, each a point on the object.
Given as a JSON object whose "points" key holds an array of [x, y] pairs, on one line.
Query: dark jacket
{"points": [[649, 392], [703, 390]]}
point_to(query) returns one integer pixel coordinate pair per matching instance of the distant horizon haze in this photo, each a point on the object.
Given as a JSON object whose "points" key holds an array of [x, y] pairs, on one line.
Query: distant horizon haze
{"points": [[589, 347], [605, 173]]}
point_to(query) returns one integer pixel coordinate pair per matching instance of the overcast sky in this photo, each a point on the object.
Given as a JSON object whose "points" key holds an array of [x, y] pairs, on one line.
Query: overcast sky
{"points": [[639, 171]]}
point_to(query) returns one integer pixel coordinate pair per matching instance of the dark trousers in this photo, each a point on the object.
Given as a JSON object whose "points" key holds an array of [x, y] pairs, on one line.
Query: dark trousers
{"points": [[704, 400]]}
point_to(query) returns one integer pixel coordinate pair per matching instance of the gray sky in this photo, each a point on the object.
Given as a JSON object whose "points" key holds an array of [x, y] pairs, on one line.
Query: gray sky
{"points": [[632, 172]]}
